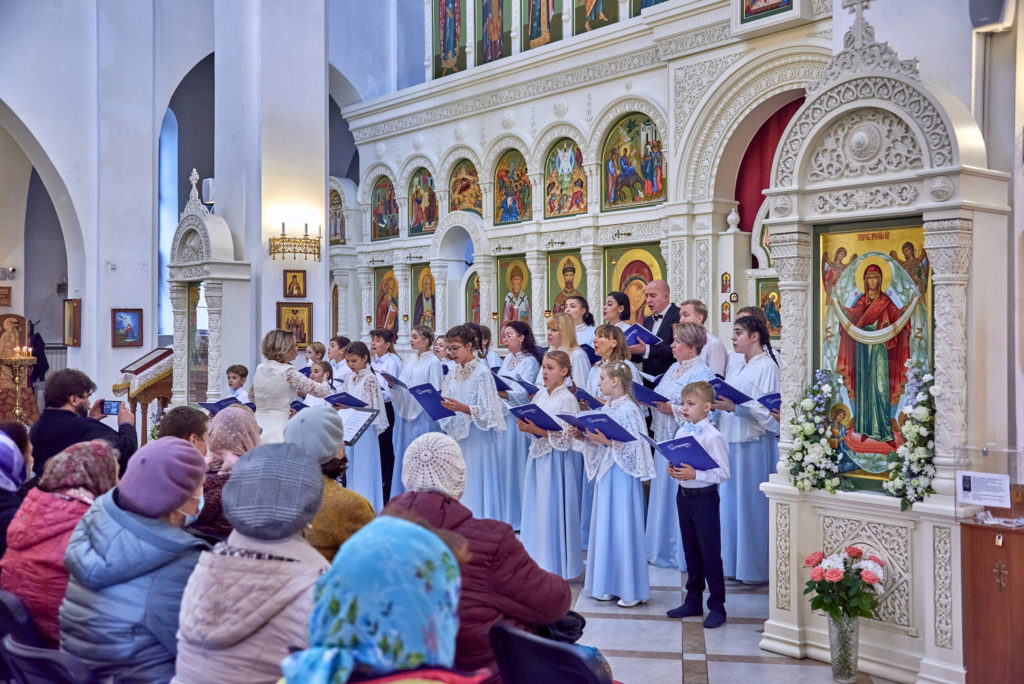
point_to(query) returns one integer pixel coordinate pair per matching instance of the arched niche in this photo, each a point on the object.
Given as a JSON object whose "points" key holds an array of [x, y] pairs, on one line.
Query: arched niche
{"points": [[458, 234], [203, 267]]}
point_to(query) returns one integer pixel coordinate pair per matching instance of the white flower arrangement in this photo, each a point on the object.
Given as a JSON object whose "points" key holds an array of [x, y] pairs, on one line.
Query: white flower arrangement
{"points": [[813, 463], [911, 469]]}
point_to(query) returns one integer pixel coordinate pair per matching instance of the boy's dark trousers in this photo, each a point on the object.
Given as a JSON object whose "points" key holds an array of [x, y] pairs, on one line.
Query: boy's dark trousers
{"points": [[387, 452], [702, 545]]}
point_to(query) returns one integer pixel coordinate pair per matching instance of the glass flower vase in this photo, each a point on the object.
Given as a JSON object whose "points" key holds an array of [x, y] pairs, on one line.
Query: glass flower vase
{"points": [[842, 642]]}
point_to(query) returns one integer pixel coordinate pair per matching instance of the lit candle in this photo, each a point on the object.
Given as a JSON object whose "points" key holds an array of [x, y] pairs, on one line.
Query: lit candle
{"points": [[282, 228], [307, 229], [319, 231]]}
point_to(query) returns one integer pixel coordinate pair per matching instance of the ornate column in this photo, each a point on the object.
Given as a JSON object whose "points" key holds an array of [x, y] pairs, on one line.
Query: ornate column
{"points": [[590, 257], [486, 268], [341, 279], [439, 270], [486, 193], [402, 275], [791, 251], [593, 170], [537, 194], [365, 276], [517, 25], [179, 303], [673, 250], [948, 243], [536, 261], [428, 32], [214, 310]]}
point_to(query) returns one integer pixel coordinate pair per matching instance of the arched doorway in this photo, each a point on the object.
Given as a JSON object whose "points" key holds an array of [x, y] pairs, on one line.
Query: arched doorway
{"points": [[463, 269]]}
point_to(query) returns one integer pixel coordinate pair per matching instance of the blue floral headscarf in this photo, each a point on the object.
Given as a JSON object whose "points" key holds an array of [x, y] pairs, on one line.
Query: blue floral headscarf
{"points": [[389, 602]]}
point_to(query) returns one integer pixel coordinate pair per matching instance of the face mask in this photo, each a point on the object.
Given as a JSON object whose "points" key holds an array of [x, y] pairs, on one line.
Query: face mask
{"points": [[190, 518], [82, 409]]}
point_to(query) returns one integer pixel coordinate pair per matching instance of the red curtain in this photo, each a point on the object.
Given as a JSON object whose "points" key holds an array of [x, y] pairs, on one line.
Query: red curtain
{"points": [[755, 169]]}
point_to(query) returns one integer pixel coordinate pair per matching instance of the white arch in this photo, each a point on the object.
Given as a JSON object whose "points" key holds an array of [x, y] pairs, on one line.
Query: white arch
{"points": [[412, 164], [471, 223], [616, 110], [498, 147], [369, 179], [729, 104], [452, 157], [549, 136]]}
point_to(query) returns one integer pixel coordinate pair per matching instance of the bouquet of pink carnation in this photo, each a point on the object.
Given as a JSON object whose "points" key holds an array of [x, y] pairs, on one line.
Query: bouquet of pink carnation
{"points": [[845, 583]]}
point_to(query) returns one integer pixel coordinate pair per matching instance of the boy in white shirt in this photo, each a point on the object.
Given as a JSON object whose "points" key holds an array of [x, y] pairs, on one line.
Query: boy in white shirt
{"points": [[237, 375], [697, 503]]}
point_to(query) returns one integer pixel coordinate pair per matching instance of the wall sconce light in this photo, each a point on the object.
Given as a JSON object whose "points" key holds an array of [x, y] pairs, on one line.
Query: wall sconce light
{"points": [[494, 316], [368, 319], [304, 245], [405, 318], [547, 313]]}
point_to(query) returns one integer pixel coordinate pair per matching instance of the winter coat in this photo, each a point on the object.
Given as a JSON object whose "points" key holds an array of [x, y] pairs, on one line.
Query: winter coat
{"points": [[9, 504], [241, 616], [342, 513], [499, 582], [58, 429], [33, 567], [126, 574]]}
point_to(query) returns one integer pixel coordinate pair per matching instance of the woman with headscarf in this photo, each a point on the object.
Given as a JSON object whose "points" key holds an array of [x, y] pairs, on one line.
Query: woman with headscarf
{"points": [[33, 566], [15, 467], [387, 605], [233, 432]]}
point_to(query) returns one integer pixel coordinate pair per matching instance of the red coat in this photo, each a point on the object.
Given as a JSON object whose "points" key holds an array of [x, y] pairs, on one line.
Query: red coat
{"points": [[499, 582], [33, 566]]}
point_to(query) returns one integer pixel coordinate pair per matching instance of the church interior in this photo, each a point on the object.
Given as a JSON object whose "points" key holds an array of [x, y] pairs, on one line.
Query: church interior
{"points": [[181, 177]]}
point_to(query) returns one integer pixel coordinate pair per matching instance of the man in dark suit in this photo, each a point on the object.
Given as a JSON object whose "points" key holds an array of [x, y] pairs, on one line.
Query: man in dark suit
{"points": [[656, 359]]}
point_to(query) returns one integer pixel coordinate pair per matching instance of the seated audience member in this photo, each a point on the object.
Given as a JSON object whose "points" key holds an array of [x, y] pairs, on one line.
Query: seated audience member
{"points": [[187, 423], [387, 606], [128, 561], [249, 600], [500, 581], [15, 467], [69, 419], [233, 432], [33, 566], [320, 432]]}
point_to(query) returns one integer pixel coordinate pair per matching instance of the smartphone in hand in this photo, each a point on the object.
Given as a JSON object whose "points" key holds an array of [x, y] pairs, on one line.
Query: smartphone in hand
{"points": [[110, 408]]}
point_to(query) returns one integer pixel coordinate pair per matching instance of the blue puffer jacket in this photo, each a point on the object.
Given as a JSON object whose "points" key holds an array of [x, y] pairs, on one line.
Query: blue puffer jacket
{"points": [[126, 577]]}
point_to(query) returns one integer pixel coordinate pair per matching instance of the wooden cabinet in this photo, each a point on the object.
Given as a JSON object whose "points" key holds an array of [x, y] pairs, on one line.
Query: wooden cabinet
{"points": [[993, 603]]}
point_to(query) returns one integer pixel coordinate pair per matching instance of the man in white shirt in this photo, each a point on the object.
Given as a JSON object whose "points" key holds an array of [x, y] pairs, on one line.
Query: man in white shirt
{"points": [[714, 352]]}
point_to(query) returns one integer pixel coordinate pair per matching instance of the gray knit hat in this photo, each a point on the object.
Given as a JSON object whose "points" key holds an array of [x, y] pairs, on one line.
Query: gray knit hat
{"points": [[273, 492], [317, 430]]}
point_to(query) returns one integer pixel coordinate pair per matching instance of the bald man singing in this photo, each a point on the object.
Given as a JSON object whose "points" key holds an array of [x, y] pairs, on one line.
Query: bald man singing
{"points": [[664, 314]]}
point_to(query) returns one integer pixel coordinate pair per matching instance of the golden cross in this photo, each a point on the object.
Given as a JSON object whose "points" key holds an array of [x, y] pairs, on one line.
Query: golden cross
{"points": [[999, 570]]}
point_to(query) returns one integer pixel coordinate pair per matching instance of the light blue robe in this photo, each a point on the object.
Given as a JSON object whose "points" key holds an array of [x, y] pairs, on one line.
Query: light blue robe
{"points": [[512, 452], [411, 420]]}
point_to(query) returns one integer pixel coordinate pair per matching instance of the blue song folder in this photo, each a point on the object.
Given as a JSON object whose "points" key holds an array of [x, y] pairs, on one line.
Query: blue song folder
{"points": [[430, 399], [305, 370], [530, 388], [500, 383], [646, 396], [251, 406], [723, 389], [215, 407], [596, 420], [684, 450], [536, 415], [495, 369], [444, 369], [344, 399], [772, 401], [637, 333], [393, 380], [298, 406], [591, 354], [582, 395]]}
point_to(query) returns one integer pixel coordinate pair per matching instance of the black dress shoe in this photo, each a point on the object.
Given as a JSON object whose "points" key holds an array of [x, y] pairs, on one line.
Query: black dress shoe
{"points": [[685, 610], [714, 619]]}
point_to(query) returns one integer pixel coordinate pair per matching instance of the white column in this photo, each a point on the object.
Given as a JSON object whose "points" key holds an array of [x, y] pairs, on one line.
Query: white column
{"points": [[590, 256], [517, 27], [364, 274], [179, 302], [340, 276], [486, 269], [470, 32], [214, 309], [402, 275], [439, 269], [428, 31], [536, 261]]}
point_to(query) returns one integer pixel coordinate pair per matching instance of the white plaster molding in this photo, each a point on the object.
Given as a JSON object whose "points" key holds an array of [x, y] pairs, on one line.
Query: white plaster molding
{"points": [[562, 239], [214, 294], [864, 142], [691, 82], [702, 259], [763, 258], [861, 199], [469, 222], [498, 147], [675, 258], [412, 165], [552, 134], [821, 8], [638, 231], [439, 270], [515, 244], [179, 304], [614, 111], [693, 41], [942, 550], [783, 565]]}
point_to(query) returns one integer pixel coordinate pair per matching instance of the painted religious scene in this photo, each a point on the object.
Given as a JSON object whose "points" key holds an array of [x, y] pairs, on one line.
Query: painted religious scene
{"points": [[513, 197], [464, 189], [770, 301], [383, 210], [424, 310], [542, 22], [493, 30], [637, 6], [566, 278], [875, 319], [385, 288], [472, 298], [565, 180], [752, 10], [629, 269], [335, 218], [422, 203], [593, 14], [514, 290], [449, 36], [633, 164]]}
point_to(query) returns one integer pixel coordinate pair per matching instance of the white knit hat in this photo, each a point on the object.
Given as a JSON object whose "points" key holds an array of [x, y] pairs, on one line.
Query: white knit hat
{"points": [[433, 462]]}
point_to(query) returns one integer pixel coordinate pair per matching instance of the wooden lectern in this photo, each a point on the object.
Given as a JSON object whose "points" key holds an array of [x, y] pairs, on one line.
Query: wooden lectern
{"points": [[146, 380]]}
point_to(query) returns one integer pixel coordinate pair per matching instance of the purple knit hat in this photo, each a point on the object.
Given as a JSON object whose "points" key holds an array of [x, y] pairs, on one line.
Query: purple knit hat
{"points": [[161, 477]]}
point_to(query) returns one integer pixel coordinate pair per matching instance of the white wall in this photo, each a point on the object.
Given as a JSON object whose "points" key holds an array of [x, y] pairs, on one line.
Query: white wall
{"points": [[15, 171], [46, 264], [362, 46]]}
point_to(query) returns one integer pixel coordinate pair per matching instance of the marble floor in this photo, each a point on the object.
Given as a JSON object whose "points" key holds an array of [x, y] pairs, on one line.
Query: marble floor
{"points": [[644, 646]]}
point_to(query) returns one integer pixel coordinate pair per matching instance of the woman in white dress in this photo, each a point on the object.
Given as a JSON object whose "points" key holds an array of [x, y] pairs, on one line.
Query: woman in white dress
{"points": [[411, 421], [664, 541], [364, 475], [551, 511], [577, 307], [616, 310], [562, 337], [276, 384]]}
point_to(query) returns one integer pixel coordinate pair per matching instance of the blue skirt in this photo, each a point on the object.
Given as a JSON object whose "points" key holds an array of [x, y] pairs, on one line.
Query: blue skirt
{"points": [[404, 433], [484, 495], [664, 540], [744, 509], [551, 513], [615, 561], [364, 468], [513, 453]]}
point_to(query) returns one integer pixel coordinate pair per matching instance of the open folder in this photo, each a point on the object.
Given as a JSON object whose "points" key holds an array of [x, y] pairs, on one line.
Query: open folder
{"points": [[536, 415], [215, 407], [344, 399], [430, 399], [395, 382], [771, 401], [647, 396], [357, 420], [592, 401], [637, 333], [596, 420], [684, 450]]}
